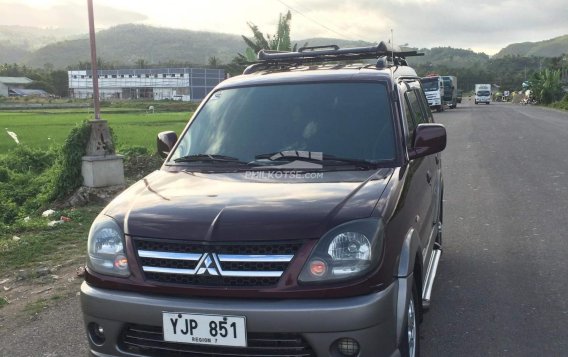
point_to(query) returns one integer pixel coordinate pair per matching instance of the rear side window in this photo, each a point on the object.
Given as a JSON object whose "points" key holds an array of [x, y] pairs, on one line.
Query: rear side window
{"points": [[416, 108], [410, 124], [425, 106], [417, 112]]}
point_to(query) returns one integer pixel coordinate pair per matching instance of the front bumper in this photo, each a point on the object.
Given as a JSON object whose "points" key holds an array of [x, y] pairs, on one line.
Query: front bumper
{"points": [[369, 319]]}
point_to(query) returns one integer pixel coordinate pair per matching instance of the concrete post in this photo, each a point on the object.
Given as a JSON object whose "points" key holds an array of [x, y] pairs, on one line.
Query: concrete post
{"points": [[101, 166]]}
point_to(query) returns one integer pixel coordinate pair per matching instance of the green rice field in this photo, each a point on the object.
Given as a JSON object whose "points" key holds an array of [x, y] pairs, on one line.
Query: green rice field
{"points": [[43, 128]]}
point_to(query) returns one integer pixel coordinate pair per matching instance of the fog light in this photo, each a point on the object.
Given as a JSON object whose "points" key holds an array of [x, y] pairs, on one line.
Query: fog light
{"points": [[96, 333], [348, 347]]}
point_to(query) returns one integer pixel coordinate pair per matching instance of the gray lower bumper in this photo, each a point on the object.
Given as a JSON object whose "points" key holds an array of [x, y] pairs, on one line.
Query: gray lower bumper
{"points": [[370, 319]]}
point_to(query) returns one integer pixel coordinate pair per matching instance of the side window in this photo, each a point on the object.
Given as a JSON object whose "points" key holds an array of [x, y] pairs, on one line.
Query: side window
{"points": [[416, 108], [409, 122], [425, 106]]}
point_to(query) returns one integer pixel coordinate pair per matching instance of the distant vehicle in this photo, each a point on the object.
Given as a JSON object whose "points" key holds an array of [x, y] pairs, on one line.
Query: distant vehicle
{"points": [[482, 93], [450, 91], [459, 97], [182, 98], [434, 90]]}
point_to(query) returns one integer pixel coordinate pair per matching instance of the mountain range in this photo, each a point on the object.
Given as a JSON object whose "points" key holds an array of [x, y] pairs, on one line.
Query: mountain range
{"points": [[130, 44]]}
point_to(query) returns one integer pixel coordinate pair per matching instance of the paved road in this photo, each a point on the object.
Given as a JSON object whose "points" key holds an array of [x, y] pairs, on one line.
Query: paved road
{"points": [[501, 288], [56, 332], [502, 283]]}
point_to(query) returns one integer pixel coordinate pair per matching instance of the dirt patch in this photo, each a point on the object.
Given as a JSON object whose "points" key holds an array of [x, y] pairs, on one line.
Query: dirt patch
{"points": [[27, 292]]}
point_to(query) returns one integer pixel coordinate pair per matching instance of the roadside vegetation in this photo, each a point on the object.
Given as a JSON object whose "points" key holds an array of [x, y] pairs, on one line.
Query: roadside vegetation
{"points": [[41, 258], [43, 165]]}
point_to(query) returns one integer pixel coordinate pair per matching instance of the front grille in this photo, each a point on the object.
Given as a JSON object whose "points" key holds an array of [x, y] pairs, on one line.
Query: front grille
{"points": [[149, 341], [237, 265]]}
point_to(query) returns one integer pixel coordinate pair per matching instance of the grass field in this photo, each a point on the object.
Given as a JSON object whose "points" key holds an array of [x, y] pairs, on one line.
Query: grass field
{"points": [[43, 128]]}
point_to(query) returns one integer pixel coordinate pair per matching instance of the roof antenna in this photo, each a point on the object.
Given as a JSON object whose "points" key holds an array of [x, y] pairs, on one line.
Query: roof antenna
{"points": [[392, 45]]}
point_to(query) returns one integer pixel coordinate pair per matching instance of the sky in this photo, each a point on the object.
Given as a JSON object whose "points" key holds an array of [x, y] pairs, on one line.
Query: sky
{"points": [[480, 25]]}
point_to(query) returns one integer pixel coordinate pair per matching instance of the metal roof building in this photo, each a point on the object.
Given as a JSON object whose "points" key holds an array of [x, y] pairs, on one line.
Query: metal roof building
{"points": [[156, 83], [8, 83]]}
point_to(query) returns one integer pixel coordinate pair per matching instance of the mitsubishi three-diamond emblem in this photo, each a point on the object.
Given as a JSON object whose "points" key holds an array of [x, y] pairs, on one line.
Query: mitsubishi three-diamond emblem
{"points": [[207, 265]]}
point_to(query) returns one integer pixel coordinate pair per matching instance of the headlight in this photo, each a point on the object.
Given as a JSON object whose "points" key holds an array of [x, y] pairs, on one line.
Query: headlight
{"points": [[106, 248], [347, 251]]}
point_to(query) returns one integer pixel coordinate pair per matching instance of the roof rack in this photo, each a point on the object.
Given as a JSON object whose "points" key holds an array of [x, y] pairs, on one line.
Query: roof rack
{"points": [[330, 53]]}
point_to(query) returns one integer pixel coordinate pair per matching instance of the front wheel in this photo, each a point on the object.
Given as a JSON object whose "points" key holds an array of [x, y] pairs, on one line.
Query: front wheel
{"points": [[410, 344]]}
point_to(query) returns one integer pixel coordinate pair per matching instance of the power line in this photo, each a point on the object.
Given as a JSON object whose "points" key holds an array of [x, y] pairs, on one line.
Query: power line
{"points": [[313, 20]]}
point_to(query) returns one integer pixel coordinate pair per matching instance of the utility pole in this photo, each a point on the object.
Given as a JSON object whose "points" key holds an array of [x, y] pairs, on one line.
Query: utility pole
{"points": [[94, 70], [101, 167]]}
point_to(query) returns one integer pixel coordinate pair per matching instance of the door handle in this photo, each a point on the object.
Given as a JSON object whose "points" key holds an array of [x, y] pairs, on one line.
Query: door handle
{"points": [[428, 176], [437, 159]]}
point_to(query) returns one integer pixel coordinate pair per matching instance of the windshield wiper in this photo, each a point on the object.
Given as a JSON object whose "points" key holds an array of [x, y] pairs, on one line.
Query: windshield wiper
{"points": [[209, 158], [316, 157], [328, 159]]}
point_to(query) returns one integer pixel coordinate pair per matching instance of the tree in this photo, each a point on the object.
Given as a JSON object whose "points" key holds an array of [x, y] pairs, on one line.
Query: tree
{"points": [[141, 63], [547, 86], [277, 42], [214, 62], [60, 82]]}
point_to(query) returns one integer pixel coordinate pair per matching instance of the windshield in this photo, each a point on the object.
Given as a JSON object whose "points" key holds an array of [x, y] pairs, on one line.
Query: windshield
{"points": [[483, 93], [347, 120], [430, 84]]}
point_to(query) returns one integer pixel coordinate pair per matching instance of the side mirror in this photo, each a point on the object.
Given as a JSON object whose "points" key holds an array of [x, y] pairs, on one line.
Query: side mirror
{"points": [[165, 142], [428, 139]]}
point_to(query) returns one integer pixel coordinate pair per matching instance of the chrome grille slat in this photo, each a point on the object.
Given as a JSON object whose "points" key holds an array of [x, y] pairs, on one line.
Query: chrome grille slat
{"points": [[168, 255], [255, 258], [265, 274], [224, 264]]}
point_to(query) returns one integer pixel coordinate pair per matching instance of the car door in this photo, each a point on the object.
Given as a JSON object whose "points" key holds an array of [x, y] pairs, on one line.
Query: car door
{"points": [[423, 171]]}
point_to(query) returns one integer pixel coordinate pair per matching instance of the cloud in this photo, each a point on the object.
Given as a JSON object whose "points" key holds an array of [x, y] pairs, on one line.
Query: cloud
{"points": [[65, 14], [485, 25], [479, 24]]}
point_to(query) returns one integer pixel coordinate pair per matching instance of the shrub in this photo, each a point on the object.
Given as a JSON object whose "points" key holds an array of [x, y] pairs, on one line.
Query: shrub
{"points": [[24, 159], [67, 169], [31, 178], [4, 174]]}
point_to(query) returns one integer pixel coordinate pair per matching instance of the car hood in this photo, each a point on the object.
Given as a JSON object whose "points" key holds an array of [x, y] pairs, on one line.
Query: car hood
{"points": [[227, 207]]}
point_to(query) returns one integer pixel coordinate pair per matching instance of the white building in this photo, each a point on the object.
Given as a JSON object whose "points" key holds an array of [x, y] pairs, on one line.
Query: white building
{"points": [[155, 83]]}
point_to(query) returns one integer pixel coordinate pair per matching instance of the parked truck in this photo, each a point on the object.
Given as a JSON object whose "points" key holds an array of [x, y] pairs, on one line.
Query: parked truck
{"points": [[434, 90], [450, 91], [482, 93]]}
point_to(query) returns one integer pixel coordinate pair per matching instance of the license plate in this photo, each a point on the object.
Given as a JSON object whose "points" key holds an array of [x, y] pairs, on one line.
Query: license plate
{"points": [[200, 329]]}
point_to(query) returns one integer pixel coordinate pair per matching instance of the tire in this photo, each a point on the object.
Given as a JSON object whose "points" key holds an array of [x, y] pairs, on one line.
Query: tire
{"points": [[410, 344]]}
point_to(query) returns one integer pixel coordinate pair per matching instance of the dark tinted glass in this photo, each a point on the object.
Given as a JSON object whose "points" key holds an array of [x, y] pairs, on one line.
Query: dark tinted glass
{"points": [[415, 107], [351, 120]]}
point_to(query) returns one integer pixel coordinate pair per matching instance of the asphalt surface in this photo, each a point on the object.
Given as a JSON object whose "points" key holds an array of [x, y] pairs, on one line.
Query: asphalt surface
{"points": [[501, 288], [56, 332]]}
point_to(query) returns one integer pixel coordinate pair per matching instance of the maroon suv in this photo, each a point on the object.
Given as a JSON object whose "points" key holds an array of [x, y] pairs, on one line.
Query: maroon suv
{"points": [[298, 214]]}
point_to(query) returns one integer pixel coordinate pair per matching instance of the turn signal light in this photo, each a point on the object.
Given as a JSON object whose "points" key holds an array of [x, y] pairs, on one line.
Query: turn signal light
{"points": [[318, 268]]}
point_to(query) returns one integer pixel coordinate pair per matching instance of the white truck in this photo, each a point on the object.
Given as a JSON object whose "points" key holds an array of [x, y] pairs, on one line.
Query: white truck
{"points": [[483, 93], [434, 90]]}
